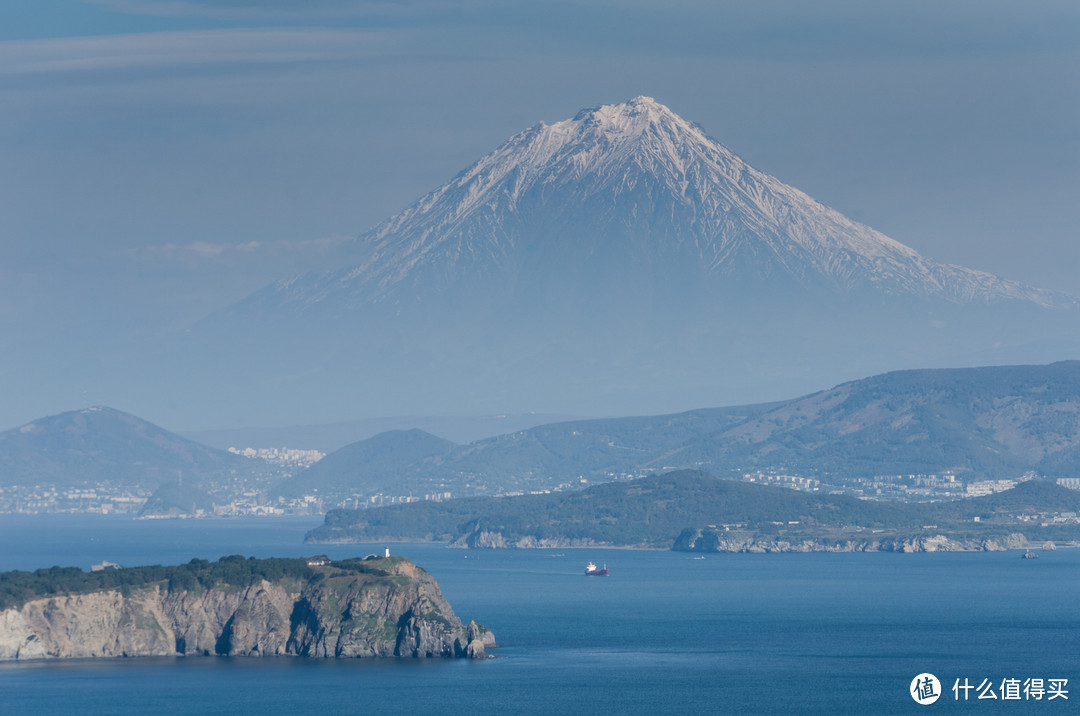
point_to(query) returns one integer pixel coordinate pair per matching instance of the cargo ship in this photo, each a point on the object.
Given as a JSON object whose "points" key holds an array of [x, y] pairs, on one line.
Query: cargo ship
{"points": [[591, 570]]}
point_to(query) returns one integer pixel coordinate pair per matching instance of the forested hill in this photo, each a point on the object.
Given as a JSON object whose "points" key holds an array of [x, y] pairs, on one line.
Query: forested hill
{"points": [[654, 511]]}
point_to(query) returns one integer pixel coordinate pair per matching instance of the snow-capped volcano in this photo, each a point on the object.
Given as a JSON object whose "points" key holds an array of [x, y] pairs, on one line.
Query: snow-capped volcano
{"points": [[634, 192], [621, 261]]}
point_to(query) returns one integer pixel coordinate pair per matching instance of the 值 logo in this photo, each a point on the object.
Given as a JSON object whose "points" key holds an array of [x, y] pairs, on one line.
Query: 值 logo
{"points": [[925, 689]]}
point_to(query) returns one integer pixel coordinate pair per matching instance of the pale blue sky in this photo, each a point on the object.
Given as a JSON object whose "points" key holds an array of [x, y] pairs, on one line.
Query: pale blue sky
{"points": [[160, 158]]}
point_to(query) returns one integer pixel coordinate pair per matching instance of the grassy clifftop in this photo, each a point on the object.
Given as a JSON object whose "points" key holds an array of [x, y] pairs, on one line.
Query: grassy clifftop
{"points": [[235, 571]]}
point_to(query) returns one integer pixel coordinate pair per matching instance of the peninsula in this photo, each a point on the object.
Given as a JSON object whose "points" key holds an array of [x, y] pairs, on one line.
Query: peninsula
{"points": [[690, 510], [356, 608]]}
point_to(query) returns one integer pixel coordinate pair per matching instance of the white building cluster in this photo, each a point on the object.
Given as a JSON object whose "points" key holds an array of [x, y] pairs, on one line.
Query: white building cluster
{"points": [[283, 456]]}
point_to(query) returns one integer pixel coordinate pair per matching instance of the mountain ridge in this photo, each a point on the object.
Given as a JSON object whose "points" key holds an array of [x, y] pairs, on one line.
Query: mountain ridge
{"points": [[684, 191], [979, 423], [618, 262], [386, 455], [81, 448]]}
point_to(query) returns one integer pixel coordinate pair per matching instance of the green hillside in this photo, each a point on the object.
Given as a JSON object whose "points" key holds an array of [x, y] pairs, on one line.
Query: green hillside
{"points": [[654, 511]]}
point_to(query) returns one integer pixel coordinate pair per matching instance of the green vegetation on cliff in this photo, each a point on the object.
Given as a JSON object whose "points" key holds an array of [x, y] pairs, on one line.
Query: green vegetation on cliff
{"points": [[236, 571], [369, 608]]}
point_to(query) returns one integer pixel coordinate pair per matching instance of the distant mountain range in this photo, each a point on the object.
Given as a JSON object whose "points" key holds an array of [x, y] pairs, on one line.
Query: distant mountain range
{"points": [[84, 448], [386, 455], [618, 262], [978, 423], [328, 437]]}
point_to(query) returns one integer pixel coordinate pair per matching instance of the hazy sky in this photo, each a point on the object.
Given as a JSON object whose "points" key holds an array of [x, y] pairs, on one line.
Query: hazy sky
{"points": [[160, 158]]}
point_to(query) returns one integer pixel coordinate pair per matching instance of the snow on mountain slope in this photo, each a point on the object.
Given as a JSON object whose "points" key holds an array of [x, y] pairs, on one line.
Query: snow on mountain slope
{"points": [[618, 262], [634, 186]]}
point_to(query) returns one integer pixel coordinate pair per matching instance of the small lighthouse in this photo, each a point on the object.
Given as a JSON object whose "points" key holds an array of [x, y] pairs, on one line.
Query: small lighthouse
{"points": [[387, 551]]}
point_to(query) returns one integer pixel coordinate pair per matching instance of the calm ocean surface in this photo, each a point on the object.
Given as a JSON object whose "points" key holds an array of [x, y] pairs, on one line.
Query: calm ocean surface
{"points": [[664, 634]]}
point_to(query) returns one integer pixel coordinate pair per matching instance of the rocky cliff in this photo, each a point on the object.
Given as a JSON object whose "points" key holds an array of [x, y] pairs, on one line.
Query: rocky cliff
{"points": [[708, 540], [493, 539], [365, 608]]}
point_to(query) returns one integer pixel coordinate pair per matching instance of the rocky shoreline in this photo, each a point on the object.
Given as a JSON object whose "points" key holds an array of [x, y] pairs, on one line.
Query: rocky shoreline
{"points": [[705, 540], [708, 540], [334, 614], [487, 539]]}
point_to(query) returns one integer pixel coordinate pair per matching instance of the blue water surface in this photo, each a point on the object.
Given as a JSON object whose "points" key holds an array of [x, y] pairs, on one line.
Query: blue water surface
{"points": [[665, 633]]}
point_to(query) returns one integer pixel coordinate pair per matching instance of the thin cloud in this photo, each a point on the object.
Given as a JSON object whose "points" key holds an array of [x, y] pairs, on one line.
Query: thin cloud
{"points": [[189, 48], [207, 251], [290, 10]]}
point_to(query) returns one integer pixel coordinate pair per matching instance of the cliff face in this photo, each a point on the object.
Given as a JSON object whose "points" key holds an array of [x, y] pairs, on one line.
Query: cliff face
{"points": [[489, 539], [707, 540], [335, 614]]}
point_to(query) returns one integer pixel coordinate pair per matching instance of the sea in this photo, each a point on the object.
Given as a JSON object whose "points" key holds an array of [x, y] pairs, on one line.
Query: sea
{"points": [[664, 633]]}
